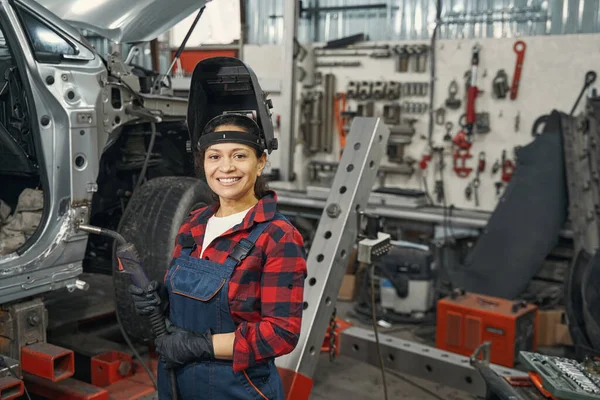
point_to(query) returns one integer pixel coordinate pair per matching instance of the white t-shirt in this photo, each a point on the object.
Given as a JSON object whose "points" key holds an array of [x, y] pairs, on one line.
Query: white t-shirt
{"points": [[216, 226]]}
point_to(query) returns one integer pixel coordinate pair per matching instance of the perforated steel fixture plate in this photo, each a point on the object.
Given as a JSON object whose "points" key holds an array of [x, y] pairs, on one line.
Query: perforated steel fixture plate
{"points": [[335, 237], [418, 360]]}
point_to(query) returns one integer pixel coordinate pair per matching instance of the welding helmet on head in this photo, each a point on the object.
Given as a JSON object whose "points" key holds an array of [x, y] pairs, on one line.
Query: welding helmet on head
{"points": [[222, 89]]}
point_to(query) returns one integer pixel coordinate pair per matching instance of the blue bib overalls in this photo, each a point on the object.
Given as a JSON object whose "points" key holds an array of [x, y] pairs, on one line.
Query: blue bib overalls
{"points": [[198, 297]]}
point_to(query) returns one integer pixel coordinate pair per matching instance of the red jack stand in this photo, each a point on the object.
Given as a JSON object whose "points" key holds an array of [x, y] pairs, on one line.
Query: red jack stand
{"points": [[48, 361], [67, 389], [11, 388], [110, 367]]}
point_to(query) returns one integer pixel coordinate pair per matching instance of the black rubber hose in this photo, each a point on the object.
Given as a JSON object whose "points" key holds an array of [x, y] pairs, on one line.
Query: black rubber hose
{"points": [[147, 159]]}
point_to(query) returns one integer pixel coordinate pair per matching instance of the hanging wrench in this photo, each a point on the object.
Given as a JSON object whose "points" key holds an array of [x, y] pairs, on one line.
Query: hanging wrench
{"points": [[519, 48], [590, 77], [472, 92], [476, 181]]}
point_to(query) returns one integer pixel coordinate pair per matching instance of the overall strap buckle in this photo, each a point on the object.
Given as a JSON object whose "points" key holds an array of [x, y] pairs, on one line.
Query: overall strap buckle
{"points": [[241, 250], [245, 246]]}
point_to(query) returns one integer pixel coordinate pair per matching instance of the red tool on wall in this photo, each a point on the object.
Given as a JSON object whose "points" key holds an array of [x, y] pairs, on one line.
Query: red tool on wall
{"points": [[472, 92], [508, 167], [519, 48], [462, 140], [425, 159], [461, 155]]}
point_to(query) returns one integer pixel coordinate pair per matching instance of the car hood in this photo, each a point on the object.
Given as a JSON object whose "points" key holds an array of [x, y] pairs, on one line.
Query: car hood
{"points": [[124, 21]]}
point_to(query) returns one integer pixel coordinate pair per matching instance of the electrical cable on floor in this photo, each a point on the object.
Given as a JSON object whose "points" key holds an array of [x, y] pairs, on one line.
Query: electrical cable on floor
{"points": [[385, 394], [138, 184], [3, 364], [415, 384], [135, 353]]}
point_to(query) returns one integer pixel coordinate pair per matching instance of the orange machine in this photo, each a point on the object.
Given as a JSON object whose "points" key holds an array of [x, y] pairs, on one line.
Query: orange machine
{"points": [[465, 320]]}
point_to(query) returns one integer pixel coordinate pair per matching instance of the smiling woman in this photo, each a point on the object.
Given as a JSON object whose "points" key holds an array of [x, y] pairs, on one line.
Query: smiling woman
{"points": [[235, 286], [232, 169]]}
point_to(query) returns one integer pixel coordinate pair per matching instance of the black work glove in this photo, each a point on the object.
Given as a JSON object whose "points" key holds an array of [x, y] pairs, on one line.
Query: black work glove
{"points": [[147, 300], [181, 347]]}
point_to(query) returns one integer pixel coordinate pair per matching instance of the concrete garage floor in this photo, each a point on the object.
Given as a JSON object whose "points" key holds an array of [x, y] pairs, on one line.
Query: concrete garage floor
{"points": [[344, 379], [348, 379]]}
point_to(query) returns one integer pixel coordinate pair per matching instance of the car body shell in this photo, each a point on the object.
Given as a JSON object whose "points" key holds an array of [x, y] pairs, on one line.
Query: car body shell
{"points": [[74, 122]]}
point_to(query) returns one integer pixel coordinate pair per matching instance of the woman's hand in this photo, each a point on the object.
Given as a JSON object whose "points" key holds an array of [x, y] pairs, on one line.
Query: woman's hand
{"points": [[149, 299], [181, 347]]}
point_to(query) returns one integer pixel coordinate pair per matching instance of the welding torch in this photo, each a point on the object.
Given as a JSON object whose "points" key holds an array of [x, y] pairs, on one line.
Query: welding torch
{"points": [[129, 262]]}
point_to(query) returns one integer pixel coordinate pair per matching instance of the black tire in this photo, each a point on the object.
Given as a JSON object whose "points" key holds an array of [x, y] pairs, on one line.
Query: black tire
{"points": [[151, 222]]}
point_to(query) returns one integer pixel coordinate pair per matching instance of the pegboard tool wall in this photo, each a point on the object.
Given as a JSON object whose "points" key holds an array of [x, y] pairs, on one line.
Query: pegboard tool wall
{"points": [[552, 76]]}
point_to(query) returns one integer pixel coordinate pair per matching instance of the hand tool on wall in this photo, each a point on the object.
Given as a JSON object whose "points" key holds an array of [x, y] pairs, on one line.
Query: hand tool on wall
{"points": [[424, 162], [364, 90], [440, 116], [590, 77], [508, 166], [407, 89], [391, 114], [365, 110], [379, 90], [440, 166], [481, 163], [327, 128], [467, 76], [421, 52], [129, 262], [500, 85], [415, 89], [472, 92], [341, 118], [476, 181], [498, 186], [517, 121], [452, 102], [393, 91], [519, 48], [496, 167], [448, 136], [352, 90], [336, 64], [412, 108], [311, 120], [482, 122], [461, 154], [460, 140], [439, 191], [381, 54], [469, 191], [460, 158], [401, 58]]}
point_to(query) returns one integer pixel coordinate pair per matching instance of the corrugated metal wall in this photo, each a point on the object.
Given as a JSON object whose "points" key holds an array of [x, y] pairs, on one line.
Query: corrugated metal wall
{"points": [[414, 19]]}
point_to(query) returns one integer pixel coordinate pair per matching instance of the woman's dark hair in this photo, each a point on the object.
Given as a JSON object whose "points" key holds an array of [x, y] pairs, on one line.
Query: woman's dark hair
{"points": [[232, 119], [260, 186]]}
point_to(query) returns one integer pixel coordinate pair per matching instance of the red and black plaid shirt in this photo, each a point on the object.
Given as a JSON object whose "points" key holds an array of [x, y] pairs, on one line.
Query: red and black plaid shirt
{"points": [[266, 290]]}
